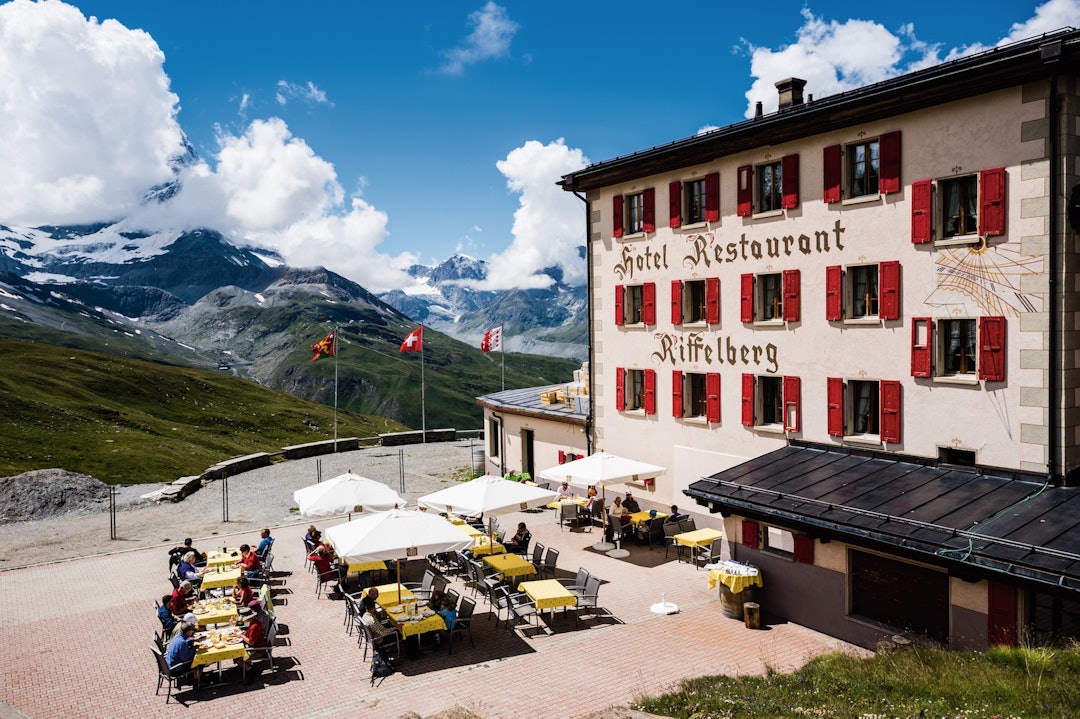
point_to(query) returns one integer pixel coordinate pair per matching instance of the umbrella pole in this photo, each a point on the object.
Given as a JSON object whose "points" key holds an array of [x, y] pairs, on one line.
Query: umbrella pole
{"points": [[603, 545]]}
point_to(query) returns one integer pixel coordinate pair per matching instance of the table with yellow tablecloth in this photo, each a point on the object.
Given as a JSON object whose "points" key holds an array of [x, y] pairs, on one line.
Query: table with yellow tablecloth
{"points": [[510, 565], [391, 595], [639, 518], [217, 558], [431, 623], [234, 648], [735, 582], [214, 613], [698, 538], [579, 501], [212, 580], [365, 567], [469, 530], [548, 594], [482, 546]]}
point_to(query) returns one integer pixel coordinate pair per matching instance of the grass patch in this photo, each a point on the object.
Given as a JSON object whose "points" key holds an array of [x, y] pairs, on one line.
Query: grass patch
{"points": [[919, 682]]}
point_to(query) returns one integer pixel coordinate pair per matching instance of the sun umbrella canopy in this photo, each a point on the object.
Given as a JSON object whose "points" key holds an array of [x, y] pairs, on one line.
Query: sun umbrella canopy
{"points": [[487, 495], [395, 534], [601, 469], [345, 493]]}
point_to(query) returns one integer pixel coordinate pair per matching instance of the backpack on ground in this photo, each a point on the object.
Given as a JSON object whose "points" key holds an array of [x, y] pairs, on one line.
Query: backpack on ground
{"points": [[381, 667]]}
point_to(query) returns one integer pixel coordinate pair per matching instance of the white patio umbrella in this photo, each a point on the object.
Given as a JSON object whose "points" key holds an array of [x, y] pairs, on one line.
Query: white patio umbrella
{"points": [[488, 495], [601, 469], [394, 535], [344, 494]]}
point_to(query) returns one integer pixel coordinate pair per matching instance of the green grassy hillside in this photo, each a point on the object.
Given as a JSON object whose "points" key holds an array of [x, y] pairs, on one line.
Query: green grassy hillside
{"points": [[124, 421]]}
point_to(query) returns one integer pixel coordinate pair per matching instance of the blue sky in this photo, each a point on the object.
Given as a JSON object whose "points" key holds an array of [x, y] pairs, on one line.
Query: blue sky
{"points": [[363, 135]]}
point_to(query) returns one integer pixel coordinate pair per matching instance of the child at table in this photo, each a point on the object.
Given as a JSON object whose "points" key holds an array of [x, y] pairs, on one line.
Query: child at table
{"points": [[448, 611], [436, 600], [241, 592]]}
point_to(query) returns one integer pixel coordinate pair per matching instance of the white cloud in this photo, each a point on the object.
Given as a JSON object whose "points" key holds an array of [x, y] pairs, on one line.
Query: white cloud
{"points": [[309, 93], [88, 121], [835, 56], [549, 224], [492, 32]]}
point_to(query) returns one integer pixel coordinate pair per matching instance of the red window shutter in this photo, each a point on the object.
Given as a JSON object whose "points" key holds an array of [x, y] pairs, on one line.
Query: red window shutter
{"points": [[789, 169], [676, 302], [889, 290], [712, 197], [674, 203], [650, 391], [831, 174], [834, 277], [620, 318], [676, 393], [992, 202], [648, 210], [712, 300], [890, 162], [745, 191], [616, 217], [648, 303], [803, 551], [562, 456], [922, 329], [620, 388], [992, 348], [921, 199], [748, 400], [835, 398], [791, 295], [750, 534], [746, 298], [792, 390], [712, 396], [890, 411]]}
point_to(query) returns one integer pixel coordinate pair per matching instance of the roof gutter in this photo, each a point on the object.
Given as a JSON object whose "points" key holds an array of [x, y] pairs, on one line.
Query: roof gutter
{"points": [[571, 186]]}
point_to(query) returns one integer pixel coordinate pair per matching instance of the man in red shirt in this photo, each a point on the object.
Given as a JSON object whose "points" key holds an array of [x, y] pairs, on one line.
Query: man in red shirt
{"points": [[181, 597], [322, 560], [254, 634], [248, 560]]}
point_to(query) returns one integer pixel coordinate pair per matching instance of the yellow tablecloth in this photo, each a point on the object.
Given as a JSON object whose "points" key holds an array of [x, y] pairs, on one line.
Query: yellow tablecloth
{"points": [[548, 594], [212, 580], [637, 518], [698, 538], [454, 519], [469, 530], [483, 546], [510, 565], [735, 582], [234, 649], [391, 595], [366, 567], [217, 558], [579, 501], [215, 615], [427, 624]]}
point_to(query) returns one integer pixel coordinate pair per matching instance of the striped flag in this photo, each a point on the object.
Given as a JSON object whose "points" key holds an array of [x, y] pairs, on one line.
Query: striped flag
{"points": [[326, 347], [492, 340]]}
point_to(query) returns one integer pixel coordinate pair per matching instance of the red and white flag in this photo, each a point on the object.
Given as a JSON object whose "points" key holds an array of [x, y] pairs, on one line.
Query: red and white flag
{"points": [[415, 341], [326, 347], [492, 340]]}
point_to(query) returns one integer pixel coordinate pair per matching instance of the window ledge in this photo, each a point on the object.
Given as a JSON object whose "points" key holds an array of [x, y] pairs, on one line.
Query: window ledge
{"points": [[699, 420], [633, 412], [769, 428], [764, 215], [694, 226], [768, 323], [965, 379], [958, 240], [869, 320], [634, 326], [702, 325], [874, 439], [860, 200], [632, 236]]}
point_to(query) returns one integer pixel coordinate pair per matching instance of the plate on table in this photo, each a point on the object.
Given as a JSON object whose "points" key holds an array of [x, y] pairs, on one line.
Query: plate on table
{"points": [[397, 609], [427, 612], [219, 645]]}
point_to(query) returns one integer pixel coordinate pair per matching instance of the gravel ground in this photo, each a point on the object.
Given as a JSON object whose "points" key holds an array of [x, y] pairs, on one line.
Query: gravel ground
{"points": [[260, 498]]}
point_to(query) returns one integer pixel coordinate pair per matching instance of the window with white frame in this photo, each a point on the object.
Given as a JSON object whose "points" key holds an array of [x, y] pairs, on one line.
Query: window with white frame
{"points": [[695, 301], [494, 433], [694, 201], [770, 297], [635, 390], [778, 541], [635, 304], [959, 210], [862, 169], [770, 402], [863, 292], [867, 410], [960, 348], [635, 213], [768, 187], [695, 395]]}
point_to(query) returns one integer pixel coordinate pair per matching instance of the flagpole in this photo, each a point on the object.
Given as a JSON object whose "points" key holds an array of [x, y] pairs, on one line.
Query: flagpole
{"points": [[335, 388], [423, 390], [502, 350]]}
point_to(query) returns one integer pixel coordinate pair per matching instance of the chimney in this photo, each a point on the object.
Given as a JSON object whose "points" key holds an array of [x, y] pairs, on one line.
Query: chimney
{"points": [[790, 92], [758, 111]]}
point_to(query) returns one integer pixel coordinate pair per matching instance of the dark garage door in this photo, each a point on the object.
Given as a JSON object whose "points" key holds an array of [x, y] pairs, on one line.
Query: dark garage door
{"points": [[901, 595]]}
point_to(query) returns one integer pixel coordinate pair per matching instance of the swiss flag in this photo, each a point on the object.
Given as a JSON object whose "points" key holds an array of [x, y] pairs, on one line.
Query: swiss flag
{"points": [[492, 340], [415, 341]]}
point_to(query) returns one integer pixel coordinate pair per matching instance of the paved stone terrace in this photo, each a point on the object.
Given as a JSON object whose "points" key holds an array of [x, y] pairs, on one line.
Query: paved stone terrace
{"points": [[74, 638]]}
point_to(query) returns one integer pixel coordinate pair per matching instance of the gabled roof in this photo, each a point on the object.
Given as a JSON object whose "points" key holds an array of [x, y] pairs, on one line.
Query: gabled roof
{"points": [[977, 524], [527, 402], [996, 69]]}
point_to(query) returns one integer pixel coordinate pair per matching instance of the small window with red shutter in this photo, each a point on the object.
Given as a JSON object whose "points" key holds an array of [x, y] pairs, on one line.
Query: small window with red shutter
{"points": [[959, 210]]}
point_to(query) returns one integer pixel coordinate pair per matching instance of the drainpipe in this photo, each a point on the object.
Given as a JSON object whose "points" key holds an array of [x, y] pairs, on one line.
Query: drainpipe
{"points": [[1051, 54], [588, 304]]}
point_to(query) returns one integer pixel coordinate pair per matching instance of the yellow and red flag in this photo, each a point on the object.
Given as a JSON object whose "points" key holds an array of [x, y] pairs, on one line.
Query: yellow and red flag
{"points": [[415, 341], [326, 347]]}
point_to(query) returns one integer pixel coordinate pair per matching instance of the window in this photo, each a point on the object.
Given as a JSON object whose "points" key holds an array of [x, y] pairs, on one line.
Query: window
{"points": [[963, 348], [771, 402], [770, 297], [862, 169], [695, 301], [493, 437], [634, 213], [779, 541], [959, 210], [635, 304], [695, 395], [768, 187], [694, 201], [864, 409], [798, 547], [635, 390], [863, 292]]}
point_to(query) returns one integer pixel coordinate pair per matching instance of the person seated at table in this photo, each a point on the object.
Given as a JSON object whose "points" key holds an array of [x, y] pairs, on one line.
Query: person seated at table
{"points": [[620, 515], [181, 599], [675, 516], [631, 504], [590, 507], [372, 620], [323, 560], [187, 569], [448, 611], [564, 492], [310, 535], [520, 541], [181, 652], [436, 599], [179, 552], [249, 561], [265, 542], [241, 592], [254, 636], [164, 613]]}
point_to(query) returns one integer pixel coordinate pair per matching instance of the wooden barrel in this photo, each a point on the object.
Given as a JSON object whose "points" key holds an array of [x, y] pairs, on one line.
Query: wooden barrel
{"points": [[731, 604]]}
